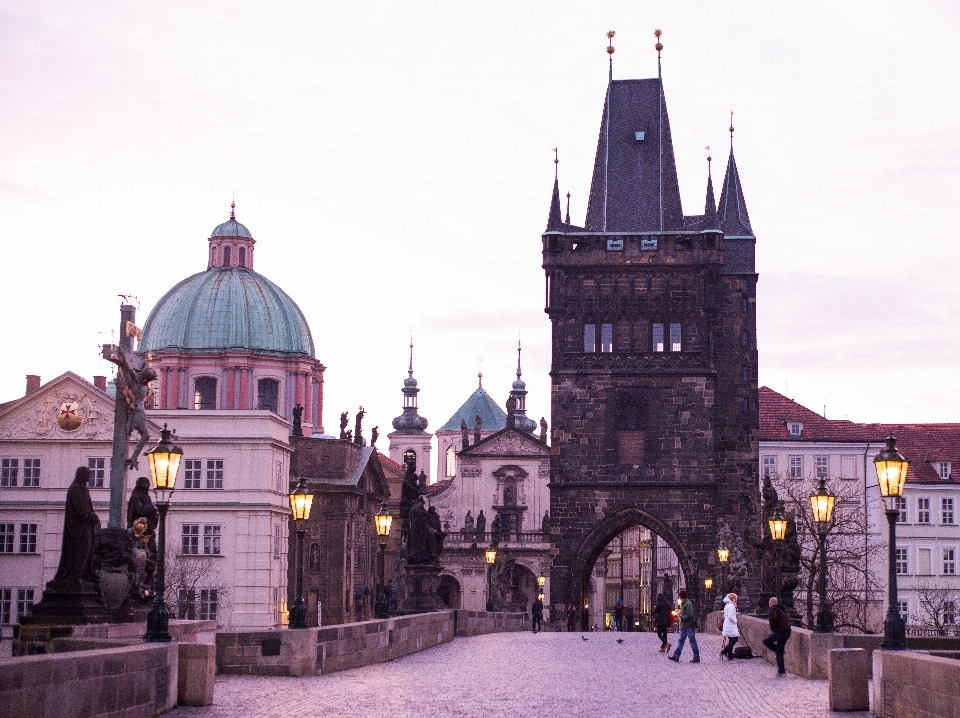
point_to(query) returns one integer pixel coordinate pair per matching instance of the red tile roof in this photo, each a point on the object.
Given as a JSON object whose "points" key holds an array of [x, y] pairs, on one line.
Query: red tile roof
{"points": [[387, 462], [921, 444]]}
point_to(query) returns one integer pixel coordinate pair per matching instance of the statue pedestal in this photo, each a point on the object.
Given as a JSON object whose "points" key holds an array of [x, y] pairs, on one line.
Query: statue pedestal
{"points": [[420, 589]]}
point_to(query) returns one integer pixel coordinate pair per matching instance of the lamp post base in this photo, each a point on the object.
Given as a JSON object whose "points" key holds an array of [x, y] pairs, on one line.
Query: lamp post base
{"points": [[894, 634], [298, 614], [158, 622]]}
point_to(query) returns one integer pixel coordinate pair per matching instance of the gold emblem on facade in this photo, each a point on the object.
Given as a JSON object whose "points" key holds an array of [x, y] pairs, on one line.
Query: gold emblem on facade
{"points": [[69, 417]]}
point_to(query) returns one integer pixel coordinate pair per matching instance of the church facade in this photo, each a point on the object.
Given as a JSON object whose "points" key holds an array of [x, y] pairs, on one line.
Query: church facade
{"points": [[654, 355]]}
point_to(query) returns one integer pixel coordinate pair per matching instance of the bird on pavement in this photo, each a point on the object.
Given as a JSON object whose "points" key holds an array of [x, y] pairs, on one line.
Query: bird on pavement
{"points": [[584, 638], [619, 640]]}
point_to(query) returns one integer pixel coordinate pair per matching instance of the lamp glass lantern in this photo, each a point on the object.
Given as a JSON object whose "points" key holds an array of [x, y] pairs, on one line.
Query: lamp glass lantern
{"points": [[541, 580], [383, 521], [164, 461], [723, 553], [708, 583], [491, 555], [778, 525], [301, 501], [821, 503], [891, 468]]}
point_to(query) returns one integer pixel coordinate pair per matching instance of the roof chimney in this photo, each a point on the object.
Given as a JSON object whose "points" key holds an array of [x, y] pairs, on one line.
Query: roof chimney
{"points": [[33, 384], [101, 383]]}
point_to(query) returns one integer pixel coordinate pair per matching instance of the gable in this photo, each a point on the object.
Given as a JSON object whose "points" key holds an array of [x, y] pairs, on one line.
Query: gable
{"points": [[508, 442], [66, 408]]}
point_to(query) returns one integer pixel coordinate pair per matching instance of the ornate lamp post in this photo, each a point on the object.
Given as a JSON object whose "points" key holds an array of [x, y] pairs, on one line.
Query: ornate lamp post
{"points": [[723, 555], [491, 556], [300, 503], [778, 531], [822, 506], [891, 469], [164, 461], [382, 521], [708, 583]]}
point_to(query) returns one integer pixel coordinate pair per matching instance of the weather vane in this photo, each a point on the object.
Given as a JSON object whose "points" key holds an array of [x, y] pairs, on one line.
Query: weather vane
{"points": [[659, 46]]}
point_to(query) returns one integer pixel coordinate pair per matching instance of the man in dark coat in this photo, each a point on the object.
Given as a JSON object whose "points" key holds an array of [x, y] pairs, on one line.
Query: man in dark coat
{"points": [[79, 524], [661, 620], [780, 633], [571, 617], [537, 614]]}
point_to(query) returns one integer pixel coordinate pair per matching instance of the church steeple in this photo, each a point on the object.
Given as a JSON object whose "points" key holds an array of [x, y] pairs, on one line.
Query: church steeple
{"points": [[554, 221], [710, 206], [410, 422], [732, 208], [517, 403]]}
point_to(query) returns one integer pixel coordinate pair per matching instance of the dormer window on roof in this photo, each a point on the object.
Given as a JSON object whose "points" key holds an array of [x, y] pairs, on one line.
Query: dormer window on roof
{"points": [[795, 428], [943, 469]]}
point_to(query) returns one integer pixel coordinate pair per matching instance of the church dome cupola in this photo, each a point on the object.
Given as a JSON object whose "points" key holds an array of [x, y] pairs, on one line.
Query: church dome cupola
{"points": [[231, 244], [517, 403], [410, 422]]}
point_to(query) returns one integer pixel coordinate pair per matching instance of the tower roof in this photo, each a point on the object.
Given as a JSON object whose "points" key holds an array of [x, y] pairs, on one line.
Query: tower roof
{"points": [[732, 208], [478, 404], [710, 205], [634, 187]]}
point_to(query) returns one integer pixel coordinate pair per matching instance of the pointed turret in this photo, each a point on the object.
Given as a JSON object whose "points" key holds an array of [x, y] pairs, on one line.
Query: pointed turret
{"points": [[517, 404], [555, 221], [710, 207], [410, 422], [567, 220], [732, 209]]}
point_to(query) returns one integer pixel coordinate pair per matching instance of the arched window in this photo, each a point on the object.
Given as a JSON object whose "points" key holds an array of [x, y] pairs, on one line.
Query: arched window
{"points": [[410, 456], [451, 461], [213, 256], [226, 256], [242, 257], [205, 393], [268, 390]]}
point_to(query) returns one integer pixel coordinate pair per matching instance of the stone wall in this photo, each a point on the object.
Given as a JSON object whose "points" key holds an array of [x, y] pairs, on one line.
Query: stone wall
{"points": [[475, 623], [909, 683], [133, 682]]}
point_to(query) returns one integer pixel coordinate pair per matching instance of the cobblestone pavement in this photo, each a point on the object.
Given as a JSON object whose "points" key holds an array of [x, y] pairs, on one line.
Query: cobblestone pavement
{"points": [[540, 676]]}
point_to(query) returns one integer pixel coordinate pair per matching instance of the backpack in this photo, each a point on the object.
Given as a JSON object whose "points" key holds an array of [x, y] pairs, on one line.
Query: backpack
{"points": [[742, 652]]}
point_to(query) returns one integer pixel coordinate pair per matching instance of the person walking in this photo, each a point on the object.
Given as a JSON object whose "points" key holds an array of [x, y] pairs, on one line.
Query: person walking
{"points": [[661, 621], [571, 618], [688, 629], [730, 629], [537, 614], [618, 615], [780, 634]]}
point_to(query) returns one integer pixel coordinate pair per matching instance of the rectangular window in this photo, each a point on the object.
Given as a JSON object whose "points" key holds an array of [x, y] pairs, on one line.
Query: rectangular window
{"points": [[904, 608], [279, 475], [192, 471], [923, 510], [946, 511], [943, 469], [606, 337], [98, 473], [795, 428], [674, 337], [949, 613], [190, 539], [211, 540], [658, 337], [589, 338], [186, 605], [9, 472], [796, 467], [900, 504], [24, 602], [208, 604], [28, 538], [31, 472], [949, 562], [769, 467], [215, 474], [276, 541], [901, 562], [823, 467], [6, 538], [6, 602], [276, 606], [205, 393]]}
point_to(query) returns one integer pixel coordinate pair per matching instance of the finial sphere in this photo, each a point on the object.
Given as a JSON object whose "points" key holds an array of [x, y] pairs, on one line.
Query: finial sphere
{"points": [[609, 49], [658, 47]]}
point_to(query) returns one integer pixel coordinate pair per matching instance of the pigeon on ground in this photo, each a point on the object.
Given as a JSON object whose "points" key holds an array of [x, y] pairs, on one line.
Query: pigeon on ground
{"points": [[619, 640], [584, 638]]}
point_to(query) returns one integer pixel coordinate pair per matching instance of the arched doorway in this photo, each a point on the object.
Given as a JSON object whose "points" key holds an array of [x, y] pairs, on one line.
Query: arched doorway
{"points": [[596, 547], [449, 591], [514, 585]]}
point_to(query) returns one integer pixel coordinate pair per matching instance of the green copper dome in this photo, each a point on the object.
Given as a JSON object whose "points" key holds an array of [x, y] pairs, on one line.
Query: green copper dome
{"points": [[228, 308]]}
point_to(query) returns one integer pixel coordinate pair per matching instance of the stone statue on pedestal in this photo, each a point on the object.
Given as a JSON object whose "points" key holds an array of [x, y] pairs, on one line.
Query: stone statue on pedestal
{"points": [[79, 524]]}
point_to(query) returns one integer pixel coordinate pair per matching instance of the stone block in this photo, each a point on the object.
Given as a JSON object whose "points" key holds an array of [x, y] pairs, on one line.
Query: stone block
{"points": [[197, 663], [848, 674]]}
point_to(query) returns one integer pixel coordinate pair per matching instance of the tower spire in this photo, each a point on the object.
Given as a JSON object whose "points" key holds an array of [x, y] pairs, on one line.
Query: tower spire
{"points": [[731, 130], [519, 373], [732, 212], [710, 205], [606, 143], [554, 221], [659, 46], [410, 370], [410, 421], [567, 220]]}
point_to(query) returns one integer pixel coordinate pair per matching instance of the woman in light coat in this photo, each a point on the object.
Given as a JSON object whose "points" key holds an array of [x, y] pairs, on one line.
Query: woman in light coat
{"points": [[730, 630]]}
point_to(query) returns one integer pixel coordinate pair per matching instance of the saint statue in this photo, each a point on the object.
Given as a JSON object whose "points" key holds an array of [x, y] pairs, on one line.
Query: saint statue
{"points": [[79, 525]]}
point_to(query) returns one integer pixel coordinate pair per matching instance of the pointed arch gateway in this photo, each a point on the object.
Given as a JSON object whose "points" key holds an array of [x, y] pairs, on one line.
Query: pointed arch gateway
{"points": [[604, 532]]}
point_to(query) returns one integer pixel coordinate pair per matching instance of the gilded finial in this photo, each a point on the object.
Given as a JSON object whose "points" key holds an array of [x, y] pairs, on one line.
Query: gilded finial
{"points": [[709, 158], [480, 371], [556, 156], [233, 205], [731, 123], [659, 46], [610, 36]]}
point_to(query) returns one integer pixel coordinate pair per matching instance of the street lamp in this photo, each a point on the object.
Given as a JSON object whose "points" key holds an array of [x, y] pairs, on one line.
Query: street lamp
{"points": [[300, 503], [723, 554], [491, 556], [382, 521], [891, 469], [822, 505], [708, 583], [164, 461], [778, 531]]}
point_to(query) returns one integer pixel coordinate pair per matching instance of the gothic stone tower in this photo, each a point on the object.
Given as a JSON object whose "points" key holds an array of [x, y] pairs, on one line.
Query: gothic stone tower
{"points": [[654, 368]]}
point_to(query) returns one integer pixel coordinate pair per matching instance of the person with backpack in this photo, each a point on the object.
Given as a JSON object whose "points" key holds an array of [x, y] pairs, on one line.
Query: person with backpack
{"points": [[688, 629], [661, 621], [730, 630], [780, 633]]}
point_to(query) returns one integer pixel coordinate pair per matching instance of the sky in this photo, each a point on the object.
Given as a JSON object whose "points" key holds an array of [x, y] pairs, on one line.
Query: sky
{"points": [[394, 162]]}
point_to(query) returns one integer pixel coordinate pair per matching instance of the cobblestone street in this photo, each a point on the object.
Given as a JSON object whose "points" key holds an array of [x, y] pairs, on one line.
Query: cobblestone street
{"points": [[521, 674]]}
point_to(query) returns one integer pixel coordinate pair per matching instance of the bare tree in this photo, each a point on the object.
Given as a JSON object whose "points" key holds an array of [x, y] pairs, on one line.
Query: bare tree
{"points": [[194, 588], [849, 585], [937, 607]]}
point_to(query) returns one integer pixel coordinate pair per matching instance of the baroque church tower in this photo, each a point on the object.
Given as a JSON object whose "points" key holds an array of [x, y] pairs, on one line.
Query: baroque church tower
{"points": [[409, 438], [654, 355]]}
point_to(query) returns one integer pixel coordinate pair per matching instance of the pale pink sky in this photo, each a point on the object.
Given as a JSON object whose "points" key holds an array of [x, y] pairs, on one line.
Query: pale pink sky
{"points": [[393, 161]]}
